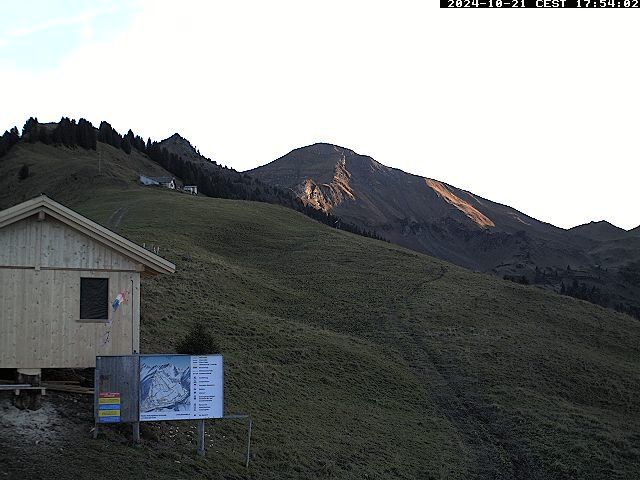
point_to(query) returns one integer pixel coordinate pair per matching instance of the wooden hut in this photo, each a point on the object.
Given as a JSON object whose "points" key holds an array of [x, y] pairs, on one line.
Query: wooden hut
{"points": [[60, 277]]}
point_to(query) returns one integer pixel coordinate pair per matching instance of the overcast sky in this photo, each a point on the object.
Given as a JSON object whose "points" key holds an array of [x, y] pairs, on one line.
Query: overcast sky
{"points": [[537, 109]]}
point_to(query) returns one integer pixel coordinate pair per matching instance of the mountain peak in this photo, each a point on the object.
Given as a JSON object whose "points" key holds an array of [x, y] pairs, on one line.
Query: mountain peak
{"points": [[600, 230], [326, 157], [322, 148], [598, 224], [177, 138], [179, 145]]}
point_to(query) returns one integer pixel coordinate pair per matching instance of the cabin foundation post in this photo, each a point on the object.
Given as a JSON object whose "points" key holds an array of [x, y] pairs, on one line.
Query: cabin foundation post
{"points": [[29, 399]]}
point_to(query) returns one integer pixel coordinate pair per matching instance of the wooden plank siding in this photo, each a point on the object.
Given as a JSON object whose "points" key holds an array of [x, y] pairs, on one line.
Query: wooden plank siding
{"points": [[17, 242], [41, 264], [65, 247]]}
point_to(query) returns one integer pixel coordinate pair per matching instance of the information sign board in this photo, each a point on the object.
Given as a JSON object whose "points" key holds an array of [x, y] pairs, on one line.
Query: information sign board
{"points": [[181, 387]]}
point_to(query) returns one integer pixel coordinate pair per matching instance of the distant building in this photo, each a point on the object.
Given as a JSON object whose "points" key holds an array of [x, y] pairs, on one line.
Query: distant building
{"points": [[192, 189], [69, 288], [166, 182]]}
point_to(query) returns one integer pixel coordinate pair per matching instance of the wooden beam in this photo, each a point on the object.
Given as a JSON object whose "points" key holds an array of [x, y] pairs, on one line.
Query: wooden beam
{"points": [[70, 269], [68, 388]]}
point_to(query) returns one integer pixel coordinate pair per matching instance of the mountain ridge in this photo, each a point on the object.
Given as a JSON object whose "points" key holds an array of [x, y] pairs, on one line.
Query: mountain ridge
{"points": [[600, 230], [448, 222]]}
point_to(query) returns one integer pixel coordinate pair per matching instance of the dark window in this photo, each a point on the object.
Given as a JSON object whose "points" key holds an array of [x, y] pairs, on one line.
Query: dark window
{"points": [[94, 298]]}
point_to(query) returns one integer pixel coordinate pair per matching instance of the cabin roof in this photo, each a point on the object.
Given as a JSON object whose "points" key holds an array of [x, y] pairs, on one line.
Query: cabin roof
{"points": [[158, 179], [153, 263]]}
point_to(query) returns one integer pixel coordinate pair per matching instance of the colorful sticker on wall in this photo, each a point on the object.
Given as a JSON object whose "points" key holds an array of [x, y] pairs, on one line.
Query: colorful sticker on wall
{"points": [[115, 305], [109, 407], [120, 299]]}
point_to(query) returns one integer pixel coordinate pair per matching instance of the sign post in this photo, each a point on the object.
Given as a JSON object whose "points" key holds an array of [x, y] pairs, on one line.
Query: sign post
{"points": [[136, 432], [201, 438]]}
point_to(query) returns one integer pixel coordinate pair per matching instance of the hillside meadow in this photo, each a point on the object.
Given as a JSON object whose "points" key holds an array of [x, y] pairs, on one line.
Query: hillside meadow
{"points": [[356, 358]]}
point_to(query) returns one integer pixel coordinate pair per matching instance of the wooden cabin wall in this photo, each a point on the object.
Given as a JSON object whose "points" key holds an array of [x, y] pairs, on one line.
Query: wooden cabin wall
{"points": [[40, 325], [41, 264]]}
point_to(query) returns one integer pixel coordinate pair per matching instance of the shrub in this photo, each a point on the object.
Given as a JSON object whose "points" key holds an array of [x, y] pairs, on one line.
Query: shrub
{"points": [[198, 341], [521, 279], [23, 173]]}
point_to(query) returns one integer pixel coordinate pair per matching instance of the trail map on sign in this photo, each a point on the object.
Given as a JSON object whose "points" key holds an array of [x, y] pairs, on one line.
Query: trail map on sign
{"points": [[180, 387], [165, 384]]}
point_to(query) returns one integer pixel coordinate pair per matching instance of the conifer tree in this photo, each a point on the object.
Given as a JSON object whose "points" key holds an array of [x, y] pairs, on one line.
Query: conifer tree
{"points": [[23, 173], [14, 136], [105, 133], [125, 145], [30, 131]]}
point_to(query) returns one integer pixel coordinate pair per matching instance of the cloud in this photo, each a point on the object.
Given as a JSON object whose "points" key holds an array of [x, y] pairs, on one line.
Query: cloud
{"points": [[82, 19]]}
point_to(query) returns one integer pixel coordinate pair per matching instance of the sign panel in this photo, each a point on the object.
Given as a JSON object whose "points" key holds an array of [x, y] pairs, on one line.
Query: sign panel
{"points": [[181, 387], [109, 407], [116, 385]]}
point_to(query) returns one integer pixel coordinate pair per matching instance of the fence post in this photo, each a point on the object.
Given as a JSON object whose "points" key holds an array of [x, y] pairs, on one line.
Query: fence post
{"points": [[249, 443]]}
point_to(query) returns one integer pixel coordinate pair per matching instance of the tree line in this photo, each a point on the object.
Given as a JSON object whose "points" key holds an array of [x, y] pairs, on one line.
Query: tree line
{"points": [[66, 132], [593, 294], [8, 140], [109, 135], [582, 290]]}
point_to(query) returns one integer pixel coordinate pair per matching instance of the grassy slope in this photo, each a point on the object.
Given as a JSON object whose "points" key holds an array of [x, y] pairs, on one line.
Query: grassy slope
{"points": [[69, 175], [359, 358]]}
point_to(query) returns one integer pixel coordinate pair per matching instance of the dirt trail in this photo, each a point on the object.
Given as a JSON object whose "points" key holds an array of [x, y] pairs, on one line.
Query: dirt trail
{"points": [[492, 454], [116, 217]]}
